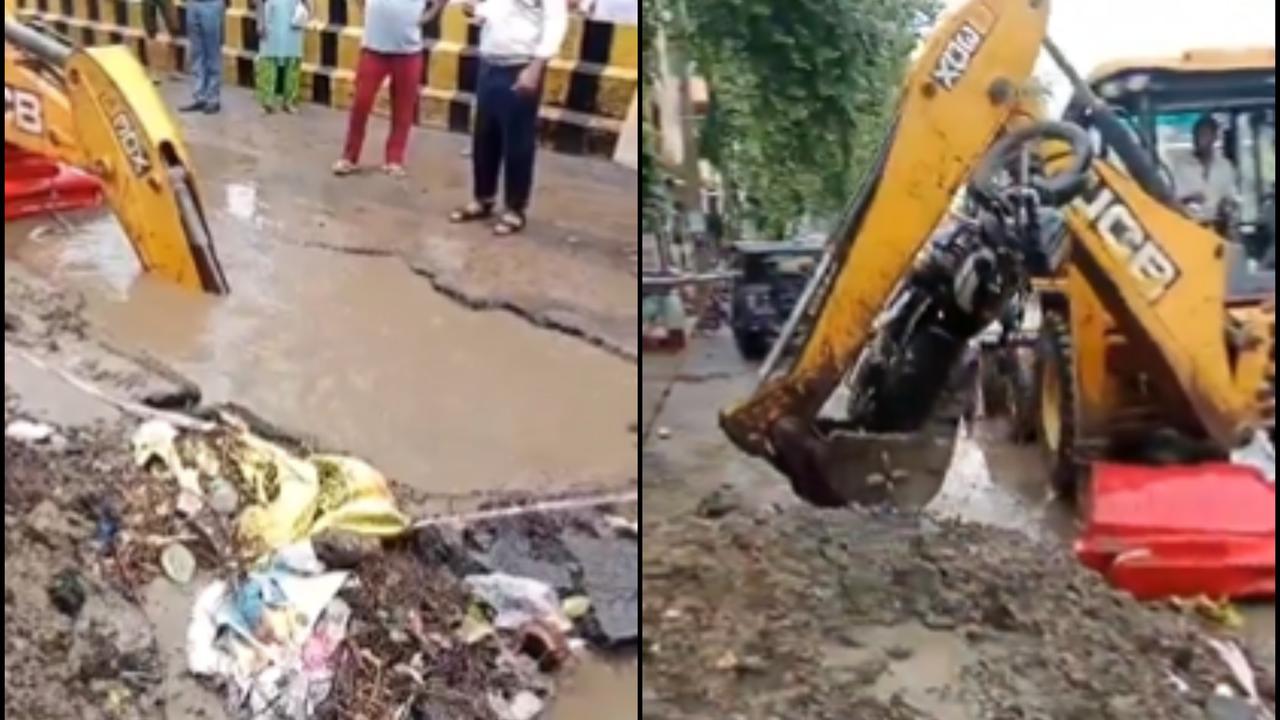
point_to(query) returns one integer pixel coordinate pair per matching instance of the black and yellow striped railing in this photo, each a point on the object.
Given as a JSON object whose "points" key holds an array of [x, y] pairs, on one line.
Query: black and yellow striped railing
{"points": [[588, 90]]}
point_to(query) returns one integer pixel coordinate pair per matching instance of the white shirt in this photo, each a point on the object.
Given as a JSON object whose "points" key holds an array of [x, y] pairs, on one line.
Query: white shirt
{"points": [[1216, 182], [621, 12], [522, 28]]}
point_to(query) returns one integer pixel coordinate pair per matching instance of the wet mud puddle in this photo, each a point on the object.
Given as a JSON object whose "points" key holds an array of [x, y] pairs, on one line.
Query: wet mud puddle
{"points": [[365, 355], [361, 353]]}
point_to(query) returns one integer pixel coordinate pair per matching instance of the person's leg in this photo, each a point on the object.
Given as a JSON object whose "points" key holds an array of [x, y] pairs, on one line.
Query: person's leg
{"points": [[520, 142], [166, 57], [371, 70], [265, 81], [213, 29], [406, 71], [150, 29], [195, 37], [486, 139], [292, 70]]}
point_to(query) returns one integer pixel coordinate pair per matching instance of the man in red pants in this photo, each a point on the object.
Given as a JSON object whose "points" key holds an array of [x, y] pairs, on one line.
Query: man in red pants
{"points": [[392, 46]]}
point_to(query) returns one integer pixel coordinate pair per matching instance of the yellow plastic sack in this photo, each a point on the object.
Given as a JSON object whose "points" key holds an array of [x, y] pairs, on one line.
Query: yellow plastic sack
{"points": [[291, 498]]}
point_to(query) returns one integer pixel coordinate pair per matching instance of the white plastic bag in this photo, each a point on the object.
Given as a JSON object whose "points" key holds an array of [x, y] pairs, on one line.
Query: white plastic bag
{"points": [[1260, 454], [301, 15], [517, 601]]}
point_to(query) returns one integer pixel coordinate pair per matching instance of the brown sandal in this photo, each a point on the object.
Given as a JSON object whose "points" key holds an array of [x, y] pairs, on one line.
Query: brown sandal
{"points": [[472, 211]]}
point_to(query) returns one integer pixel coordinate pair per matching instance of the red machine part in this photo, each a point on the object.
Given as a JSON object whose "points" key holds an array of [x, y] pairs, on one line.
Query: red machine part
{"points": [[1187, 531], [34, 185]]}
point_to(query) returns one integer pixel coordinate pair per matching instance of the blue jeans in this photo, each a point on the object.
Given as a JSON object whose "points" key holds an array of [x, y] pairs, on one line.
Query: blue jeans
{"points": [[204, 32], [505, 137]]}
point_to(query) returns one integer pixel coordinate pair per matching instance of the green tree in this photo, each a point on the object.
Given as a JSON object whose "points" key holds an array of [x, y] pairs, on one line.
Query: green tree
{"points": [[801, 93], [653, 197]]}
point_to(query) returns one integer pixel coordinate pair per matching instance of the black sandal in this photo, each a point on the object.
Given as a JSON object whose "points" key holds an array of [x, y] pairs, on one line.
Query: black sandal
{"points": [[472, 211], [510, 223]]}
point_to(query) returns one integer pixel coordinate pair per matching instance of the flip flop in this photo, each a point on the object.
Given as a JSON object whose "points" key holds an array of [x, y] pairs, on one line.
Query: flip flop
{"points": [[510, 223], [472, 211]]}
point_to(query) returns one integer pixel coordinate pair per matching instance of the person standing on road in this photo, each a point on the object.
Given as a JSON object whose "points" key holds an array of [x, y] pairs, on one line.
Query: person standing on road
{"points": [[153, 13], [392, 46], [279, 65], [205, 20], [517, 39]]}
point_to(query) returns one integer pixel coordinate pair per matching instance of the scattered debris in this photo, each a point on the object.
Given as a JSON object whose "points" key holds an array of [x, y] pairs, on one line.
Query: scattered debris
{"points": [[286, 498], [178, 563], [1243, 674], [518, 601], [576, 607], [525, 706], [1259, 454], [29, 432], [359, 611], [67, 592], [546, 643], [272, 636], [223, 497], [573, 554]]}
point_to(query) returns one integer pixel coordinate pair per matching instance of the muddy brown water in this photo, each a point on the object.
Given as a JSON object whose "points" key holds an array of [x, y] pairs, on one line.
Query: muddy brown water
{"points": [[364, 354]]}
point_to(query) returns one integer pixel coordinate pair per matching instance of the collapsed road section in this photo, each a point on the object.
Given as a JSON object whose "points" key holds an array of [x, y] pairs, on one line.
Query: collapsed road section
{"points": [[493, 572], [185, 563]]}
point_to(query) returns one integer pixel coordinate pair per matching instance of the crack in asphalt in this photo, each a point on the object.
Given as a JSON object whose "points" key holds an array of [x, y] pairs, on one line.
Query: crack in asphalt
{"points": [[483, 303]]}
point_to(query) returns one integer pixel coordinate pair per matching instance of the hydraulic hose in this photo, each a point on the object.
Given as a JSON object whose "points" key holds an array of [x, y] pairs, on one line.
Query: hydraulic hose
{"points": [[1119, 137], [47, 49]]}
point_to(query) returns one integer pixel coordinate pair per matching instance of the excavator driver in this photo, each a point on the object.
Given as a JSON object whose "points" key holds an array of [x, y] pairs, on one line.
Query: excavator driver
{"points": [[96, 110], [867, 410], [1205, 180]]}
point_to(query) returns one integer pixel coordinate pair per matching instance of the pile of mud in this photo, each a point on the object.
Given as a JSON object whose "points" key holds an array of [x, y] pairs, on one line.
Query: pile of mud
{"points": [[845, 614]]}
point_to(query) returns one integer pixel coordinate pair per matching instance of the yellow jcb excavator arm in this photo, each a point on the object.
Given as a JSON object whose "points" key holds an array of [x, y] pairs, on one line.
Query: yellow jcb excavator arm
{"points": [[1146, 259], [95, 109]]}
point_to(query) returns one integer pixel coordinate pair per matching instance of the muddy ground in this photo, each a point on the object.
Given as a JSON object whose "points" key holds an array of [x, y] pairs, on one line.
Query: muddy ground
{"points": [[759, 607]]}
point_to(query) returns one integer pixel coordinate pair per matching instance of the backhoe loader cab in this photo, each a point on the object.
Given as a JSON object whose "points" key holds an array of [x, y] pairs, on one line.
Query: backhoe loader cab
{"points": [[1164, 98]]}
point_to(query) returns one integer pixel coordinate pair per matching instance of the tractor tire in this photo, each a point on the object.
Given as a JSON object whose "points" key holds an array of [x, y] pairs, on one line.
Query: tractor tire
{"points": [[1023, 428], [1057, 417], [752, 346], [1009, 394]]}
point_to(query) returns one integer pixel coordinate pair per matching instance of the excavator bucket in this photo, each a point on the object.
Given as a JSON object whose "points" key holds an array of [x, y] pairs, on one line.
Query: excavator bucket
{"points": [[835, 467], [95, 109], [1183, 531]]}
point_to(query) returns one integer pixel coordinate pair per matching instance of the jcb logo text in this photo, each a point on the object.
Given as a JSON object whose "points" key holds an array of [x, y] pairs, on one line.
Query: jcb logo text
{"points": [[957, 56], [1128, 241], [24, 110]]}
